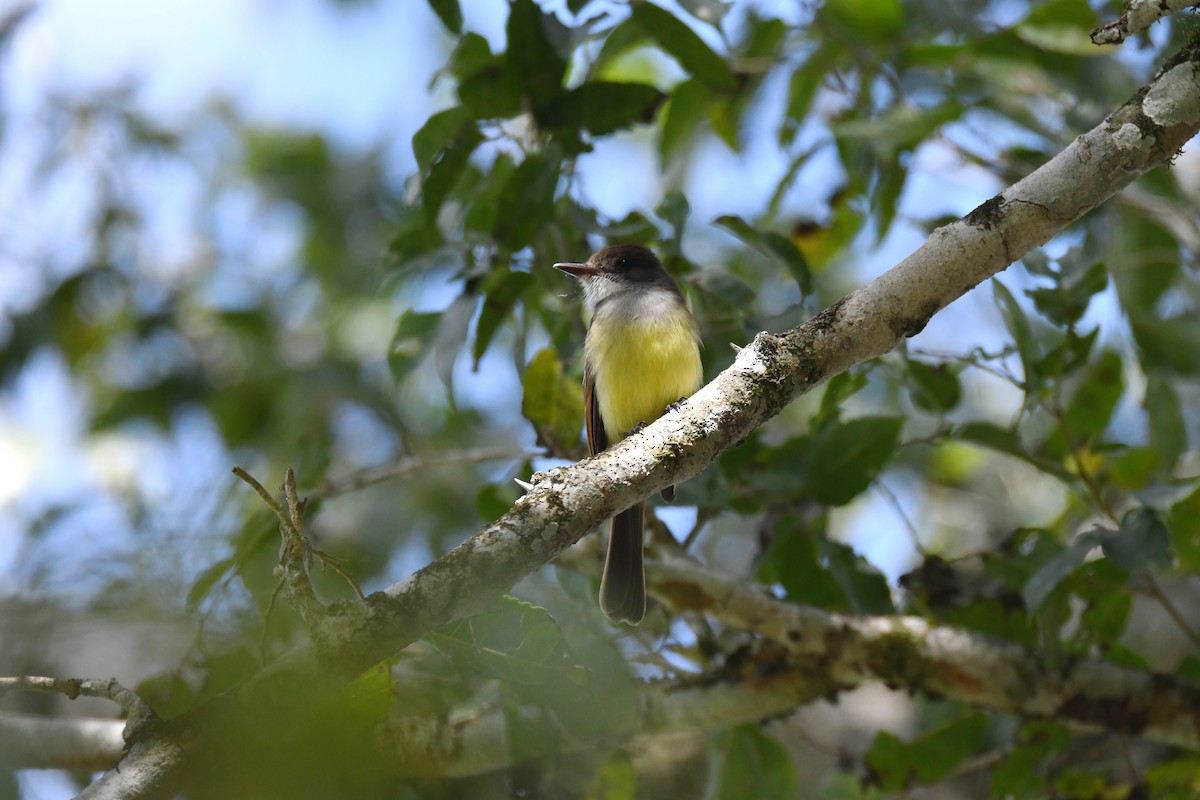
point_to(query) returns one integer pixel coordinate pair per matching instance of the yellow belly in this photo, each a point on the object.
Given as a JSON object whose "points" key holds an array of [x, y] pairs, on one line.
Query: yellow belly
{"points": [[641, 371]]}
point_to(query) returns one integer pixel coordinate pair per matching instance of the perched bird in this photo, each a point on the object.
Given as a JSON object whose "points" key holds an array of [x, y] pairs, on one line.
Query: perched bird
{"points": [[641, 354]]}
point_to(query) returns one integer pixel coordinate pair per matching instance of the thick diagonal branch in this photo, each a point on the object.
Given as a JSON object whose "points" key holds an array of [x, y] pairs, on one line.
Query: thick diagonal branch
{"points": [[567, 503]]}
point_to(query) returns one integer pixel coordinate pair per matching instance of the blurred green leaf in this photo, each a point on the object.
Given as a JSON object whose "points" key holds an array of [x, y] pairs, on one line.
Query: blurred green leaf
{"points": [[927, 758], [1171, 344], [616, 780], [747, 762], [1141, 542], [1023, 771], [449, 13], [1168, 429], [532, 58], [603, 107], [684, 115], [934, 388], [872, 22], [1183, 524], [865, 587], [844, 457], [528, 199], [1055, 571], [501, 291], [438, 132], [1066, 302], [838, 390], [1018, 327], [775, 246], [795, 560], [411, 341], [1106, 616], [208, 579], [676, 38], [552, 402], [514, 641], [445, 172], [1060, 26]]}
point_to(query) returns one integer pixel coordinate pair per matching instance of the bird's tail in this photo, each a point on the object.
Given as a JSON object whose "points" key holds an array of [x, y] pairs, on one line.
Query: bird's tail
{"points": [[623, 587]]}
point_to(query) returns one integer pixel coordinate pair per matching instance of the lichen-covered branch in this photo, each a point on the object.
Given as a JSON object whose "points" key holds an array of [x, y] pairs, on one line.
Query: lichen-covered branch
{"points": [[567, 503], [1137, 16]]}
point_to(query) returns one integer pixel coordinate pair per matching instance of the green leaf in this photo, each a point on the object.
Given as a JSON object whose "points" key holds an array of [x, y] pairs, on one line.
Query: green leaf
{"points": [[872, 22], [616, 780], [471, 55], [449, 13], [438, 132], [1142, 541], [676, 38], [1091, 407], [795, 561], [746, 762], [900, 129], [1060, 26], [1022, 772], [1055, 571], [490, 93], [443, 174], [1168, 431], [927, 758], [934, 388], [1019, 329], [501, 291], [802, 88], [865, 587], [774, 246], [682, 118], [532, 57], [674, 210], [603, 107], [551, 402], [410, 341], [847, 456], [1183, 524], [493, 500], [604, 707], [514, 641], [1171, 344], [838, 389], [1106, 616], [529, 197], [1066, 302], [207, 580]]}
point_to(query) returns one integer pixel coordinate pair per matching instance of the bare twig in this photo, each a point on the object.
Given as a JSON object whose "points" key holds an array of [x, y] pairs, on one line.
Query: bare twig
{"points": [[137, 710], [366, 477]]}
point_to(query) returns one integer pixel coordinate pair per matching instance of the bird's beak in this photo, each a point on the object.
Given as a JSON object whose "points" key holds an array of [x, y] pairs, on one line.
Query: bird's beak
{"points": [[580, 271]]}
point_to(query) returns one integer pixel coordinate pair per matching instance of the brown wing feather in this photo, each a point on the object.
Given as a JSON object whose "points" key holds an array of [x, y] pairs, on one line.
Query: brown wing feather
{"points": [[597, 439]]}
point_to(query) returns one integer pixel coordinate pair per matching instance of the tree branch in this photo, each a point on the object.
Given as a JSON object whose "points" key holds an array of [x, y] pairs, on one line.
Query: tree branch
{"points": [[31, 741], [567, 503], [1137, 16]]}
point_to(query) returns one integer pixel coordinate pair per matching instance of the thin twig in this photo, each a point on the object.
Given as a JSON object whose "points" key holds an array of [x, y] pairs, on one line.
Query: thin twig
{"points": [[136, 709], [371, 475]]}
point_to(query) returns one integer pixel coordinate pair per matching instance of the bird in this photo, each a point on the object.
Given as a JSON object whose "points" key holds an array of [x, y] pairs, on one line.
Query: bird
{"points": [[641, 356]]}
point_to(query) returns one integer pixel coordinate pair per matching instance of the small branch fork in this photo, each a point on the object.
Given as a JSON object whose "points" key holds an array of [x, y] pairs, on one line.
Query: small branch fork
{"points": [[296, 551], [137, 711]]}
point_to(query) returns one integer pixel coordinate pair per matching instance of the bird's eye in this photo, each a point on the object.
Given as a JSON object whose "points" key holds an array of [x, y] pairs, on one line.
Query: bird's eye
{"points": [[622, 262]]}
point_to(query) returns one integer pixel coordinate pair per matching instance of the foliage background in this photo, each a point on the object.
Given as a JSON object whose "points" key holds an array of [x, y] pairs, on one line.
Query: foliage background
{"points": [[335, 258]]}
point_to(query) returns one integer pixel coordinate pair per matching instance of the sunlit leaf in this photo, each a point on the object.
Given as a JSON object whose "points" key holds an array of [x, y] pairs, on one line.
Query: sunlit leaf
{"points": [[676, 38]]}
